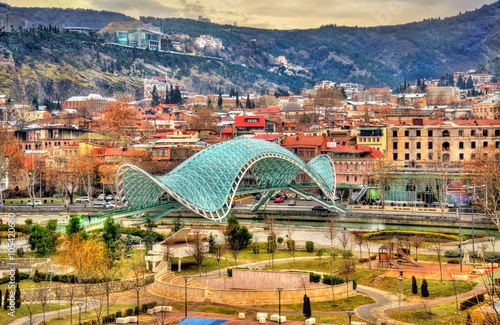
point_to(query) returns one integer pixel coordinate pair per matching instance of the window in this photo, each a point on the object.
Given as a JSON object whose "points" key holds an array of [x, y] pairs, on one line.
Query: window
{"points": [[355, 167], [407, 156], [419, 156], [485, 133], [445, 133], [347, 167], [430, 156], [394, 145], [460, 133], [395, 156], [497, 133], [407, 145], [347, 178], [394, 134], [485, 144], [419, 146], [418, 133], [473, 145], [473, 133], [13, 179], [355, 179], [461, 156], [460, 145], [20, 179], [429, 133], [429, 145], [251, 120], [407, 133]]}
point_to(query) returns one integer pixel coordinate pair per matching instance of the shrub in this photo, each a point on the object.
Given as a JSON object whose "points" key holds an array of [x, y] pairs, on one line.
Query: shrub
{"points": [[280, 240], [230, 272], [453, 261], [129, 312], [472, 301], [347, 253], [332, 280], [144, 308], [136, 310], [392, 233], [320, 252], [20, 252], [363, 260], [255, 248], [36, 276], [451, 254], [414, 288], [306, 308], [373, 257], [354, 284], [423, 289], [314, 277], [309, 246], [118, 314], [28, 221]]}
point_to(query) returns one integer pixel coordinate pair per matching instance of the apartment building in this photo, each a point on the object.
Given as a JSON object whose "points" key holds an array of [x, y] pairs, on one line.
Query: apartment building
{"points": [[487, 109]]}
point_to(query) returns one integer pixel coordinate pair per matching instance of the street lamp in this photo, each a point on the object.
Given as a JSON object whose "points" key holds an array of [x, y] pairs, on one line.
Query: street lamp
{"points": [[138, 311], [492, 260], [472, 208], [186, 277], [80, 304], [51, 272], [460, 235], [128, 280], [350, 312], [279, 304], [400, 279], [331, 268]]}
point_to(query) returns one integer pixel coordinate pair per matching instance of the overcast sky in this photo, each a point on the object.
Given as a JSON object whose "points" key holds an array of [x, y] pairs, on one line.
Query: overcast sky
{"points": [[288, 14]]}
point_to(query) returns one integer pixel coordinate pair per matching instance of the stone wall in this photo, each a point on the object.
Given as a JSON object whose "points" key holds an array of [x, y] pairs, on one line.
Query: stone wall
{"points": [[177, 291], [95, 288], [24, 262]]}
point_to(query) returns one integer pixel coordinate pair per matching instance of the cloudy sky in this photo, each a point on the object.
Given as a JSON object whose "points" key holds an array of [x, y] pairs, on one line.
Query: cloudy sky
{"points": [[286, 14]]}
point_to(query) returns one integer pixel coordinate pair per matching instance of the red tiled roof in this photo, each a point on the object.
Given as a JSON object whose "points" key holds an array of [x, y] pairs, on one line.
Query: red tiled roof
{"points": [[122, 152], [227, 130], [476, 122], [158, 78], [267, 137], [242, 121], [358, 148], [269, 110]]}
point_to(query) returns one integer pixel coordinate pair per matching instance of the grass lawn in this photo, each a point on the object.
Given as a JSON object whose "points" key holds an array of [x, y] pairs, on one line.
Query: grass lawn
{"points": [[362, 276], [328, 319], [28, 284], [23, 311], [435, 315], [91, 314], [325, 306], [436, 288]]}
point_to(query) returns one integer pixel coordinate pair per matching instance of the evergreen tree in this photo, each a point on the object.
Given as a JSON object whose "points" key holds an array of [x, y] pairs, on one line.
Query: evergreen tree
{"points": [[75, 227], [306, 308], [167, 96], [5, 301], [470, 83], [178, 225], [0, 298], [414, 288], [149, 238], [451, 80], [177, 98], [423, 289], [211, 243], [460, 82], [232, 93], [171, 94], [17, 297], [249, 102], [156, 97], [237, 100], [219, 101], [111, 236], [17, 276], [34, 101]]}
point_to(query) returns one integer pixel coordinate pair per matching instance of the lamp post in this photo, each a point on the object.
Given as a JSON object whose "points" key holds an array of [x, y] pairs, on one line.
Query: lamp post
{"points": [[80, 304], [50, 288], [138, 310], [128, 276], [350, 312], [400, 279], [460, 235], [331, 267], [279, 304], [186, 277], [492, 260]]}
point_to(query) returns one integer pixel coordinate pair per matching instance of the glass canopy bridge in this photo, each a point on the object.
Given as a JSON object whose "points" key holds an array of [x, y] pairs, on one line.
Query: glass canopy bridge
{"points": [[208, 182]]}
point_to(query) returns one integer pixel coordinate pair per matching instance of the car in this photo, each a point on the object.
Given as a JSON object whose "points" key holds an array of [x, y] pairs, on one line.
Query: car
{"points": [[278, 200], [83, 199], [109, 205], [320, 208], [232, 204], [284, 197], [108, 197], [258, 196], [274, 196], [292, 203], [37, 203], [102, 204], [101, 197]]}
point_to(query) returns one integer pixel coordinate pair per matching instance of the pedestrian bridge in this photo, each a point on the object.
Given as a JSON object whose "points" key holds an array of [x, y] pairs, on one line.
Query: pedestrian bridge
{"points": [[208, 182]]}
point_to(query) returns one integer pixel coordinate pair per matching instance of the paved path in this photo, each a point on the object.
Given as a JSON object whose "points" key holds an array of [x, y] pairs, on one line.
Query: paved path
{"points": [[37, 318]]}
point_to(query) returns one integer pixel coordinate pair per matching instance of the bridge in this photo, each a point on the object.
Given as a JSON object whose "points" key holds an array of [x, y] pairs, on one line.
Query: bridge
{"points": [[208, 182]]}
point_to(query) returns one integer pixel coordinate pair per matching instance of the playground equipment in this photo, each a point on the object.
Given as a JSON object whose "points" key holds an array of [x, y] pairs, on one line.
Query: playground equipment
{"points": [[396, 252]]}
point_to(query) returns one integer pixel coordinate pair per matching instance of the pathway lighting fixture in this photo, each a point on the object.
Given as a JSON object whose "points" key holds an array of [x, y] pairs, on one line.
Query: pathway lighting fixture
{"points": [[138, 310], [186, 277], [51, 272], [279, 304], [350, 313], [400, 279], [80, 304]]}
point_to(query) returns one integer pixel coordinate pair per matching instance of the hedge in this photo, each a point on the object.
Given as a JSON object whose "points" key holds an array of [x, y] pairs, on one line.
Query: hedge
{"points": [[314, 277], [412, 233], [22, 276], [135, 231], [68, 278], [472, 301], [332, 280]]}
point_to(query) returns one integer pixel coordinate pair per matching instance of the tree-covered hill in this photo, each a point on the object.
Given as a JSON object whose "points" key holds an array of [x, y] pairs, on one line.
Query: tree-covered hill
{"points": [[49, 62]]}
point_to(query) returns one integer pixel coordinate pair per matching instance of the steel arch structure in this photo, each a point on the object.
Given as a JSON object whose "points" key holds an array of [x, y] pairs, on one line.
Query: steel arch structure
{"points": [[207, 181]]}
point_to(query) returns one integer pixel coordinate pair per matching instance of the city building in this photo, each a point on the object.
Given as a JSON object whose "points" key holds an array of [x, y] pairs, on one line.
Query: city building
{"points": [[93, 103], [487, 109], [159, 82], [442, 95], [252, 124], [145, 36]]}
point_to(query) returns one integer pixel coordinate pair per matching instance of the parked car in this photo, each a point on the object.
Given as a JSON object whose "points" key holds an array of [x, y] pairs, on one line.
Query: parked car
{"points": [[103, 204], [37, 203], [274, 196], [101, 197], [278, 200], [83, 199], [258, 196], [108, 197], [292, 203], [320, 208], [109, 205], [284, 197]]}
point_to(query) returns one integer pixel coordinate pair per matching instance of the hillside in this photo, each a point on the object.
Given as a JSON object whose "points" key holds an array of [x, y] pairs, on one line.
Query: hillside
{"points": [[56, 64]]}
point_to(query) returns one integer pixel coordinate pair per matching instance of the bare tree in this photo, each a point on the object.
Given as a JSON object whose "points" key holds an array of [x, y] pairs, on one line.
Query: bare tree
{"points": [[42, 295], [370, 247], [290, 243], [344, 238], [166, 318], [59, 293], [198, 248], [219, 251], [359, 239], [71, 297], [107, 272], [271, 239], [417, 241], [439, 252], [331, 230], [30, 304], [347, 267]]}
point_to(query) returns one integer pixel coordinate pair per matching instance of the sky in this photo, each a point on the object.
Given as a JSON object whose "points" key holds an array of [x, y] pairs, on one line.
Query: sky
{"points": [[288, 14]]}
